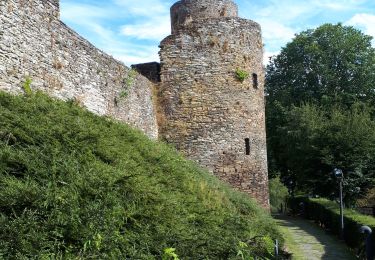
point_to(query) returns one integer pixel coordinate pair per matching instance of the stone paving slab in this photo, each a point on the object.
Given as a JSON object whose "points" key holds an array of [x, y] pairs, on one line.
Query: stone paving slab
{"points": [[313, 242]]}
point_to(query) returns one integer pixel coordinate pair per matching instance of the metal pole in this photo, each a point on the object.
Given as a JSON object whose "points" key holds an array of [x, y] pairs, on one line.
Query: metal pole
{"points": [[341, 213], [277, 248]]}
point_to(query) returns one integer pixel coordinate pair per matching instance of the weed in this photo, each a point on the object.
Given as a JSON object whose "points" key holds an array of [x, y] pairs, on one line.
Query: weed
{"points": [[26, 86], [123, 94], [128, 83], [241, 75]]}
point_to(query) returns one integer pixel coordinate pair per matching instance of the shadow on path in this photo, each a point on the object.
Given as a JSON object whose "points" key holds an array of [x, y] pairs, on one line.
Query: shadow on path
{"points": [[312, 241]]}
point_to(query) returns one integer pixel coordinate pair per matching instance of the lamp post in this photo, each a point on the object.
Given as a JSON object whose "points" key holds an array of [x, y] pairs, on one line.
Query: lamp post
{"points": [[340, 176], [370, 250]]}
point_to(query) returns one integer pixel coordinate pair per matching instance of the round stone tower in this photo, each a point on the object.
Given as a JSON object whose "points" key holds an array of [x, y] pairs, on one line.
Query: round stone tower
{"points": [[184, 12], [208, 112]]}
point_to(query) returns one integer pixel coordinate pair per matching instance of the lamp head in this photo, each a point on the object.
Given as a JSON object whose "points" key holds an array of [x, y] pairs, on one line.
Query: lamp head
{"points": [[338, 173], [365, 230]]}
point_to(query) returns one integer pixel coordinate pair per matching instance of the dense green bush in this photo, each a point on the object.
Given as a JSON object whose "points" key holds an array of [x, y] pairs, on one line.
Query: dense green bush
{"points": [[76, 185], [316, 138], [278, 194], [327, 214]]}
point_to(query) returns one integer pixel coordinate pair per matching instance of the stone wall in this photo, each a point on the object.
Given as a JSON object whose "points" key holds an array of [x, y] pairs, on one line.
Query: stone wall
{"points": [[186, 11], [35, 44], [209, 115]]}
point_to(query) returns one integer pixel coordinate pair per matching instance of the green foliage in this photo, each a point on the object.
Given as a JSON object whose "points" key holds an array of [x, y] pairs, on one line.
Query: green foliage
{"points": [[368, 199], [319, 110], [128, 83], [242, 75], [124, 93], [256, 247], [332, 63], [26, 86], [327, 214], [76, 185], [316, 139], [240, 251], [278, 194], [170, 254]]}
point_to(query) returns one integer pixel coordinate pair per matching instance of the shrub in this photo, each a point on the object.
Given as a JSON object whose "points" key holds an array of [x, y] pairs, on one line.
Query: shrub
{"points": [[78, 186], [278, 194]]}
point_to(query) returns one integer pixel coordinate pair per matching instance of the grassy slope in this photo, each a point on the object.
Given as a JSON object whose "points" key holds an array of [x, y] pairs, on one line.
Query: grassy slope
{"points": [[77, 185]]}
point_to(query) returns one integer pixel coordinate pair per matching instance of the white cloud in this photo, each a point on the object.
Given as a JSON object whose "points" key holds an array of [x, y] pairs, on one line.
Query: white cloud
{"points": [[155, 22], [284, 12], [338, 5], [95, 22], [89, 19], [146, 8], [135, 54], [130, 30], [136, 59], [277, 19], [365, 22], [281, 20], [155, 29], [77, 13], [273, 30], [275, 35]]}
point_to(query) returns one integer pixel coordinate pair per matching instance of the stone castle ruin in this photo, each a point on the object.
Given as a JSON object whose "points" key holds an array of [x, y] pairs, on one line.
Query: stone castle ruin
{"points": [[193, 99]]}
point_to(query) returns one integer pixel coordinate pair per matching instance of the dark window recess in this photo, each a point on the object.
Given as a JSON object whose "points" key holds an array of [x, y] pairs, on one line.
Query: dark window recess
{"points": [[255, 80], [247, 146]]}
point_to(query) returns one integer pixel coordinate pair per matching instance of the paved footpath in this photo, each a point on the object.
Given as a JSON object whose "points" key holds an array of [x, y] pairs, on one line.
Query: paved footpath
{"points": [[309, 242]]}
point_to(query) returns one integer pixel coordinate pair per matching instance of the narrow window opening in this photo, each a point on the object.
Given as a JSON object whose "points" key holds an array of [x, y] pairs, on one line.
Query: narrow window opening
{"points": [[255, 80], [247, 146]]}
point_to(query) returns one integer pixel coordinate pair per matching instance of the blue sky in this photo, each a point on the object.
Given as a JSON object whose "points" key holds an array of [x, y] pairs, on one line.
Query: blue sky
{"points": [[131, 30]]}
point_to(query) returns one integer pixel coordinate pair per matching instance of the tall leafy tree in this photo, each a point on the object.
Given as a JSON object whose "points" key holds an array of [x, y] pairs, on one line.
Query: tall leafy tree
{"points": [[315, 139], [330, 63], [320, 98]]}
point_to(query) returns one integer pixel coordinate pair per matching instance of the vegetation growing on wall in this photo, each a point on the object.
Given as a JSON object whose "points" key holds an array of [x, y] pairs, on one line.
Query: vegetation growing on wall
{"points": [[26, 86], [242, 75], [128, 83]]}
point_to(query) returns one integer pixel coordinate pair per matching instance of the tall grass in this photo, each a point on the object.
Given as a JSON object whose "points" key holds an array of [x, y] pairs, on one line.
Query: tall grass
{"points": [[76, 185]]}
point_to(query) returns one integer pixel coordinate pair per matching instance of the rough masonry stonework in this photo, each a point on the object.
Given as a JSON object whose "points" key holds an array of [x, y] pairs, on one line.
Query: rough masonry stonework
{"points": [[36, 45], [208, 113]]}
